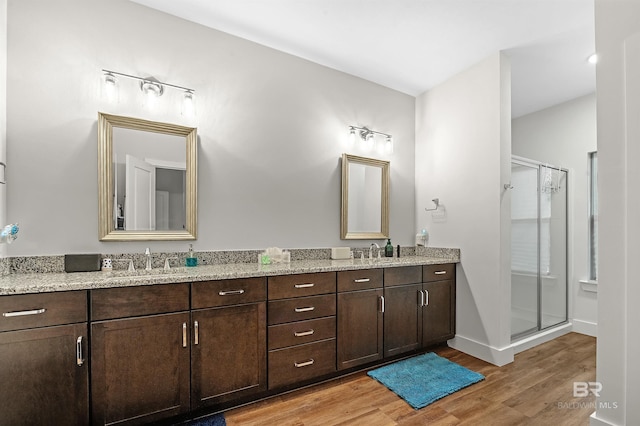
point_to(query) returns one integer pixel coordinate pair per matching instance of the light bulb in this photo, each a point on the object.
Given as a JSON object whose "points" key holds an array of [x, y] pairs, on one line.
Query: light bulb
{"points": [[352, 136], [388, 145], [188, 104], [110, 87]]}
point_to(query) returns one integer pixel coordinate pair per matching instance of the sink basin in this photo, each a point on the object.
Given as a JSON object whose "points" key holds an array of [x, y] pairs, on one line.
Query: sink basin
{"points": [[144, 272]]}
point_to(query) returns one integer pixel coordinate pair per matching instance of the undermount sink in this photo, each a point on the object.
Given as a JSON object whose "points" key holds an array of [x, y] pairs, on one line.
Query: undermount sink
{"points": [[145, 272]]}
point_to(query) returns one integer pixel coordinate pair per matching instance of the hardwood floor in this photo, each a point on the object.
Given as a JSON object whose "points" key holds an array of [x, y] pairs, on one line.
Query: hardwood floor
{"points": [[536, 389]]}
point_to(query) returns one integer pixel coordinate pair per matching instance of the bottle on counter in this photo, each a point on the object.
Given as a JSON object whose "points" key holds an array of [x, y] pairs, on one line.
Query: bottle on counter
{"points": [[191, 260], [388, 249]]}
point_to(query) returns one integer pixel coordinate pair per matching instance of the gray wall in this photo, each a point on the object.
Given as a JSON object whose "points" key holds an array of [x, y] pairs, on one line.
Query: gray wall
{"points": [[271, 127], [463, 150]]}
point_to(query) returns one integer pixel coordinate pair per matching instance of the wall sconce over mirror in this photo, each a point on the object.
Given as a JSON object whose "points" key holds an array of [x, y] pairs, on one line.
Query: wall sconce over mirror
{"points": [[151, 87], [371, 140], [147, 180], [365, 198]]}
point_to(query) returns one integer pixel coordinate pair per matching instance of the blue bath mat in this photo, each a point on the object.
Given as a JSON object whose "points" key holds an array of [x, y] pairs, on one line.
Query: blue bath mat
{"points": [[213, 420], [424, 379]]}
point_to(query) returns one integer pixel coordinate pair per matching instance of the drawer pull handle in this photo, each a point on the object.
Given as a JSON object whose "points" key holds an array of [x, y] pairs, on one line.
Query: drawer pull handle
{"points": [[184, 334], [362, 280], [79, 357], [303, 333], [196, 333], [440, 272], [306, 285], [426, 297], [23, 313], [382, 304], [421, 293], [307, 309], [230, 292], [304, 364]]}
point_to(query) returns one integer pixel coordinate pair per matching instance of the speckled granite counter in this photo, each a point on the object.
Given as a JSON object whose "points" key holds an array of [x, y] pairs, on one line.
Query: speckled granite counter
{"points": [[49, 282]]}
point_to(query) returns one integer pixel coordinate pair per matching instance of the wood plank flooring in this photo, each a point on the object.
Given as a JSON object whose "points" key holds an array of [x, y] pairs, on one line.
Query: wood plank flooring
{"points": [[536, 389]]}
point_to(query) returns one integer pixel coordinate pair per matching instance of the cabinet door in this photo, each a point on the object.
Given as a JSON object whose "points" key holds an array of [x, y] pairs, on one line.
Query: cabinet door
{"points": [[229, 353], [439, 312], [402, 319], [42, 383], [359, 328], [140, 368]]}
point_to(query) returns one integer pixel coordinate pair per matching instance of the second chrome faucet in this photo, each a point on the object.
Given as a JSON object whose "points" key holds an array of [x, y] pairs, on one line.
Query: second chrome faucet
{"points": [[147, 254]]}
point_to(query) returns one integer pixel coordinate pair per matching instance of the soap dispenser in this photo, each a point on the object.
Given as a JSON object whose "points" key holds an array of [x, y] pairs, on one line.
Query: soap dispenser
{"points": [[388, 249], [192, 260]]}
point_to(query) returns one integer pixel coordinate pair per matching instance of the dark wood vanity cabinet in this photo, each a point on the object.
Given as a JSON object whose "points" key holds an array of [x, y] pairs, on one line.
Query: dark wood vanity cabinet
{"points": [[229, 350], [301, 332], [160, 351], [43, 359], [419, 307], [140, 353], [439, 306], [360, 317], [403, 313]]}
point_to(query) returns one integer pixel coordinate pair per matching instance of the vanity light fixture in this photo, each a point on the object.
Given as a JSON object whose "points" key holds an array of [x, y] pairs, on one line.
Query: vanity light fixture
{"points": [[368, 140], [150, 86]]}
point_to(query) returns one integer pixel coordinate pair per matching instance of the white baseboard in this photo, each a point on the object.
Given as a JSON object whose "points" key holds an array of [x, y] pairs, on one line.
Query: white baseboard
{"points": [[482, 351], [595, 421], [585, 327]]}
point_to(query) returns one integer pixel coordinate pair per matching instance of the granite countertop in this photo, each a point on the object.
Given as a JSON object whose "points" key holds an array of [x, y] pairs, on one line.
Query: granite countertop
{"points": [[50, 282]]}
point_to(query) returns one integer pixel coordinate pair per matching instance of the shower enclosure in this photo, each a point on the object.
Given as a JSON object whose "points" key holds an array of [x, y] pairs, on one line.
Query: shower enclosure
{"points": [[538, 247]]}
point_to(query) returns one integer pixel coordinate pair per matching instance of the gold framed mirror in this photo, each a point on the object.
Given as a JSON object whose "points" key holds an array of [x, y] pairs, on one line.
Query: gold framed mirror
{"points": [[365, 198], [147, 180]]}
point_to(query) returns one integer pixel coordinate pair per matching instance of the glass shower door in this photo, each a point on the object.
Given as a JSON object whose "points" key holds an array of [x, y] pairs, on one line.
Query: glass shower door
{"points": [[538, 247], [524, 249]]}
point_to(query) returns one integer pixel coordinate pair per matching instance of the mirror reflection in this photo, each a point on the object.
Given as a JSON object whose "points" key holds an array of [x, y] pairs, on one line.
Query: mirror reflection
{"points": [[150, 192], [147, 179], [365, 198]]}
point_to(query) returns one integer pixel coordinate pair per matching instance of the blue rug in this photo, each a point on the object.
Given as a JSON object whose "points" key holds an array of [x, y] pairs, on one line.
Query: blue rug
{"points": [[424, 379], [213, 420]]}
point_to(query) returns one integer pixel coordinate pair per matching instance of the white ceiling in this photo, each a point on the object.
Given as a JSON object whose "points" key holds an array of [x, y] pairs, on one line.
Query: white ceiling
{"points": [[413, 45]]}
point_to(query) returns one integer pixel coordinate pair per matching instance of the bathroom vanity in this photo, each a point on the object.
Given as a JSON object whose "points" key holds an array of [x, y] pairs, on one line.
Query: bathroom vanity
{"points": [[106, 348]]}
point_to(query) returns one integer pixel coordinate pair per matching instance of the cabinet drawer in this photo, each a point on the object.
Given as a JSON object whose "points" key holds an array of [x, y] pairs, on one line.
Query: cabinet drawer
{"points": [[438, 272], [121, 302], [301, 332], [210, 294], [292, 365], [359, 280], [286, 286], [402, 275], [302, 308], [42, 309]]}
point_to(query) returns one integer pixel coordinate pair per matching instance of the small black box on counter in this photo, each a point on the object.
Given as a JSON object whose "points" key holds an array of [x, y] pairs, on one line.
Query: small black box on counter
{"points": [[81, 262]]}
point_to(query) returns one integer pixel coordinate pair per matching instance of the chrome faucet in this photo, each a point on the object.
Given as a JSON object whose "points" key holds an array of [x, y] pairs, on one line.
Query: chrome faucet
{"points": [[371, 250], [147, 253]]}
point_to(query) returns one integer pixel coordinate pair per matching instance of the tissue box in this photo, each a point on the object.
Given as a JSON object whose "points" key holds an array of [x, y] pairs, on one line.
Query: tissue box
{"points": [[339, 253]]}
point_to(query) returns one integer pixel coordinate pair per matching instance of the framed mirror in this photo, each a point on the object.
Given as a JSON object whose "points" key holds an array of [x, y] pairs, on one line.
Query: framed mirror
{"points": [[365, 198], [147, 180]]}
